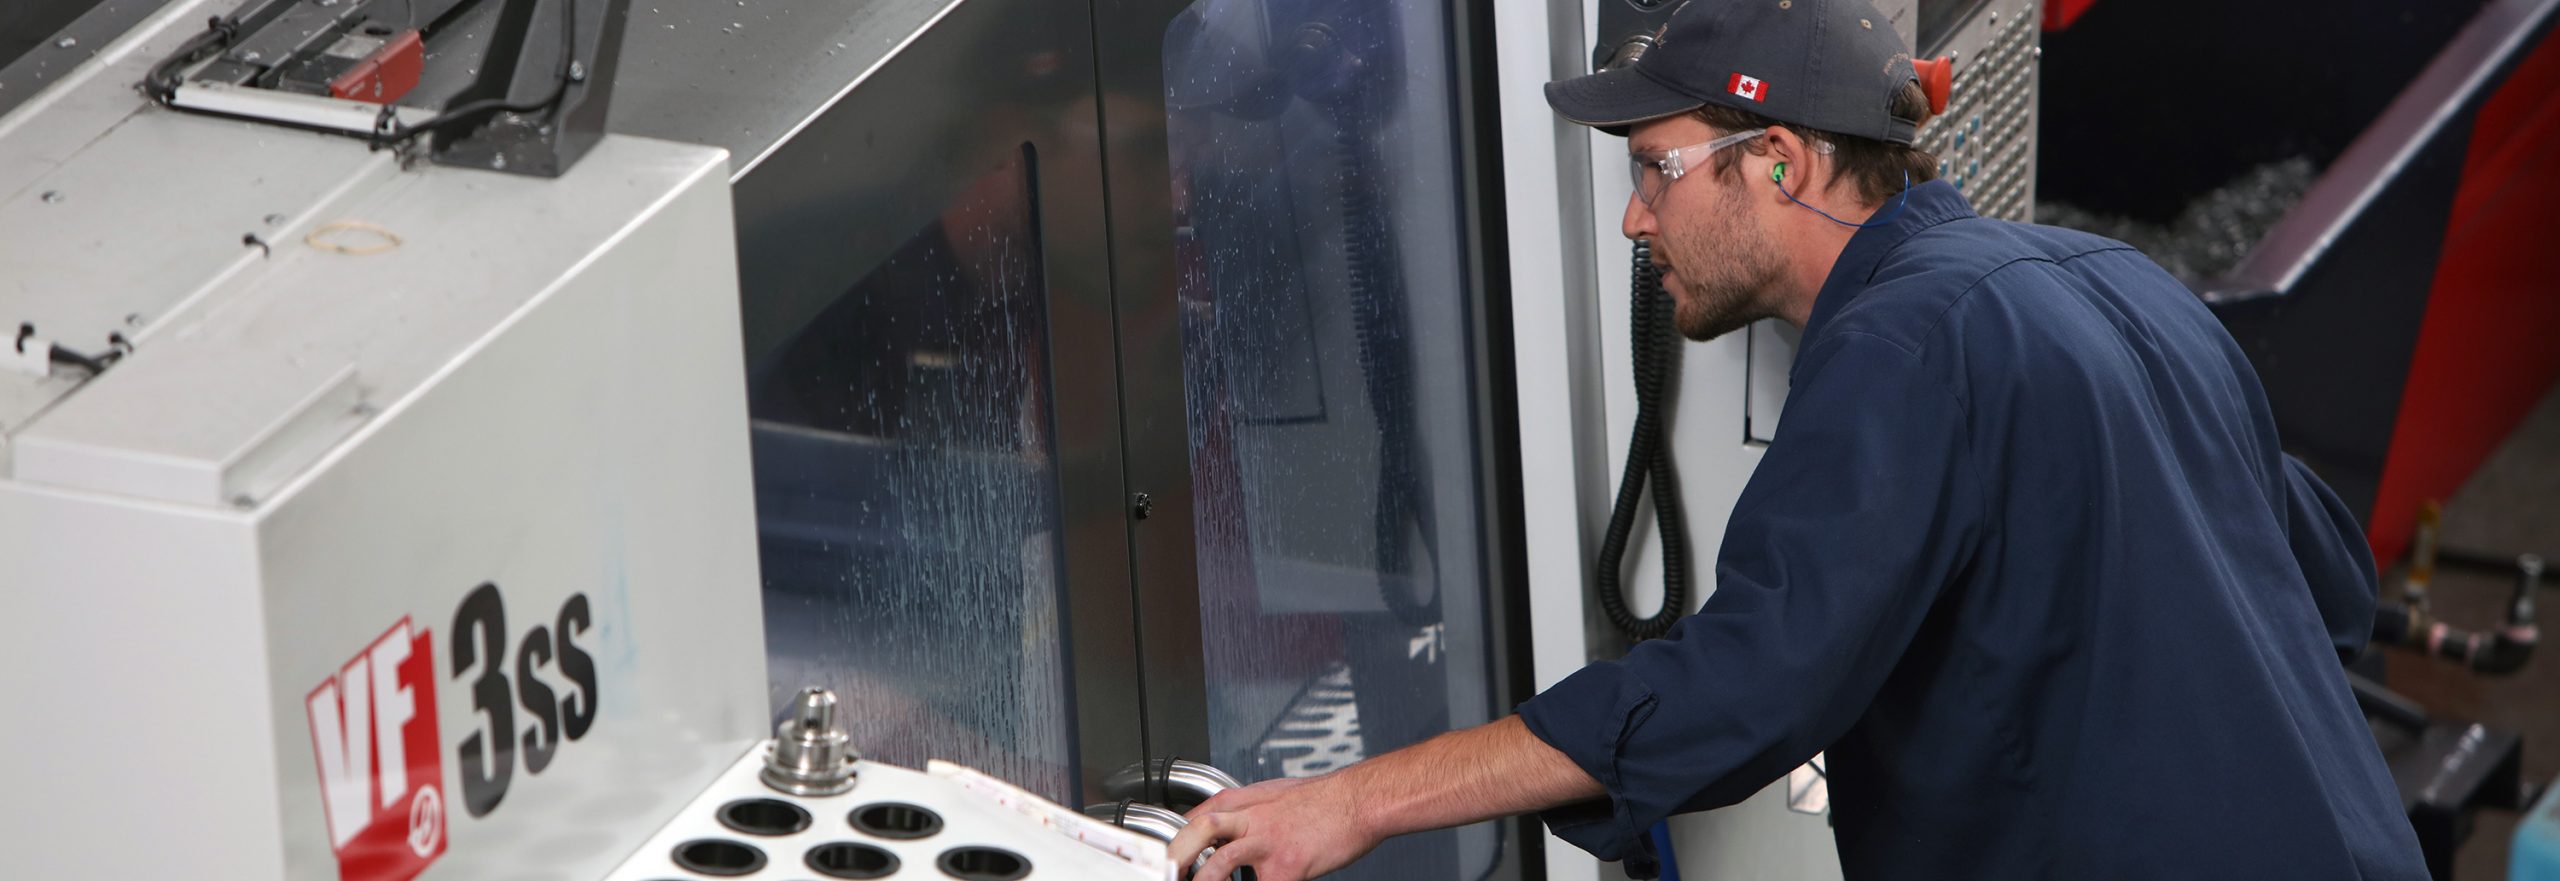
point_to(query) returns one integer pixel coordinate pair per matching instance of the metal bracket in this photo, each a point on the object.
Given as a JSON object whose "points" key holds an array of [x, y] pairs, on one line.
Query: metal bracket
{"points": [[534, 100]]}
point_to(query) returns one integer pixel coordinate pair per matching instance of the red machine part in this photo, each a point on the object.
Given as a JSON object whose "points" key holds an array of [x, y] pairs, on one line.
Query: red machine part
{"points": [[1937, 80], [2059, 14], [385, 75], [2485, 353]]}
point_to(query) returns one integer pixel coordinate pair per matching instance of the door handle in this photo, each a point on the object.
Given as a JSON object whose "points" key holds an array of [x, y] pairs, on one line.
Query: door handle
{"points": [[1180, 784], [1155, 822], [1146, 819]]}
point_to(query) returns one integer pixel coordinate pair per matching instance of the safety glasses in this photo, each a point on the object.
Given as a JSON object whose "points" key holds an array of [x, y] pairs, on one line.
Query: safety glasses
{"points": [[1654, 170]]}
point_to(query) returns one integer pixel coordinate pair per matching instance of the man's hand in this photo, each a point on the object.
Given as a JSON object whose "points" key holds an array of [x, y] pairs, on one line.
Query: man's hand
{"points": [[1294, 830], [1287, 830]]}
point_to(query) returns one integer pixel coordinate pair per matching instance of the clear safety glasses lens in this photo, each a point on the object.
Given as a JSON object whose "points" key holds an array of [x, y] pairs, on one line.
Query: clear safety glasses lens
{"points": [[1652, 171]]}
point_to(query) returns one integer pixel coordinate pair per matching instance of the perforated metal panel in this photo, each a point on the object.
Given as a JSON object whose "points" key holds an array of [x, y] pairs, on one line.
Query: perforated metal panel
{"points": [[1986, 141]]}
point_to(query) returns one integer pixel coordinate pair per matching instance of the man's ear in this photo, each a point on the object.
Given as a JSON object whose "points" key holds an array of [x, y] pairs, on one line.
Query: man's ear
{"points": [[1789, 159]]}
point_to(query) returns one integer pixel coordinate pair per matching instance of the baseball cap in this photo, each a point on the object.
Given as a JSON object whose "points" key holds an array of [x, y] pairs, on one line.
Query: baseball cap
{"points": [[1832, 65]]}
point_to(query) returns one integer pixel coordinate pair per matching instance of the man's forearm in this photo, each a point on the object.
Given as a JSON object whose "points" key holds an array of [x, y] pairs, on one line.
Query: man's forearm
{"points": [[1493, 770]]}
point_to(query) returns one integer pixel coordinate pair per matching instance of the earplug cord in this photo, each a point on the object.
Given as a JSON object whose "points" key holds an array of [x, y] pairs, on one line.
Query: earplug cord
{"points": [[1779, 174]]}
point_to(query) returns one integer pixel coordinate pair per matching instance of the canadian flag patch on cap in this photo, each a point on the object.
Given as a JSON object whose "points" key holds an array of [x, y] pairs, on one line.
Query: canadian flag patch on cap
{"points": [[1748, 88]]}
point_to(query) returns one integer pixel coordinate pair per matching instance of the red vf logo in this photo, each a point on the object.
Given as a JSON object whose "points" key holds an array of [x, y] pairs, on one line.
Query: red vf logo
{"points": [[373, 727]]}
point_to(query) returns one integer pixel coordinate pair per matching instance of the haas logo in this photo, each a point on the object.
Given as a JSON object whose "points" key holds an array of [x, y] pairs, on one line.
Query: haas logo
{"points": [[373, 726]]}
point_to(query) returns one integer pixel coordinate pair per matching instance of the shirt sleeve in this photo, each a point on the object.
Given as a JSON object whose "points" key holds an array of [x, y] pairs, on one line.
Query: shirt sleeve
{"points": [[2336, 561], [1865, 506]]}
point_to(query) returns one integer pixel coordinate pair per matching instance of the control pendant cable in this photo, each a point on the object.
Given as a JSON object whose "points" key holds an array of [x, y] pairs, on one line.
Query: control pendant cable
{"points": [[1657, 359]]}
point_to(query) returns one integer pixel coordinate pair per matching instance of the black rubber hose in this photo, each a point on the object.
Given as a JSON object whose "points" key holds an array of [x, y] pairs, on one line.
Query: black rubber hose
{"points": [[2386, 705], [1657, 359], [2506, 652], [2512, 645], [2392, 623], [2488, 652], [392, 133], [162, 81]]}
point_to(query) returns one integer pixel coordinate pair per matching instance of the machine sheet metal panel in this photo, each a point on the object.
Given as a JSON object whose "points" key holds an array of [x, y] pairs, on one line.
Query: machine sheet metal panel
{"points": [[138, 654], [552, 433], [566, 513], [750, 77], [115, 214]]}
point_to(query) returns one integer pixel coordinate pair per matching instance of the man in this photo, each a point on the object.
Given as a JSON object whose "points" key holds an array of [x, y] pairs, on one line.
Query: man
{"points": [[2024, 556]]}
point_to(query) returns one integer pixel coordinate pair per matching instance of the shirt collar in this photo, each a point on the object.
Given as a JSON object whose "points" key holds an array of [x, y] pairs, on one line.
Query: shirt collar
{"points": [[1931, 203]]}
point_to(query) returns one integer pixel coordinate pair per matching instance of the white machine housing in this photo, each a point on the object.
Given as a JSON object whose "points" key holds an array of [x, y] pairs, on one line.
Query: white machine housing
{"points": [[381, 432]]}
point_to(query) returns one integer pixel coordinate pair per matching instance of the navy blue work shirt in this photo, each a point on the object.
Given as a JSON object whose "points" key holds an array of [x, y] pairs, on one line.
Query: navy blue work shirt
{"points": [[2025, 561]]}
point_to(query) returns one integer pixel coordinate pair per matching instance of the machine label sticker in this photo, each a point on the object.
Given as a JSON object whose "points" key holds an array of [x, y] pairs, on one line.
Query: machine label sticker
{"points": [[1748, 87], [556, 709], [373, 732]]}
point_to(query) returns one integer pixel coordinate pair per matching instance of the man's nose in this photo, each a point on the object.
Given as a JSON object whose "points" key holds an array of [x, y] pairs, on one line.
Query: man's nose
{"points": [[1638, 222]]}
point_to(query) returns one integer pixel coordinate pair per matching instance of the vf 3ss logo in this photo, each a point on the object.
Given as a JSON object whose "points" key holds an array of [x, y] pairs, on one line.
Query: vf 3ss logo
{"points": [[373, 732], [501, 683]]}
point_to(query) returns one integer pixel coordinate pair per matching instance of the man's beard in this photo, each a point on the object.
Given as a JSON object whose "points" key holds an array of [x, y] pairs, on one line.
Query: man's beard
{"points": [[1725, 270]]}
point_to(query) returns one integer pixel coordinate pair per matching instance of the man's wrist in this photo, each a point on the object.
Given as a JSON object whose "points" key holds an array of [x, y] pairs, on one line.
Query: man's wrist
{"points": [[1351, 790], [1456, 778]]}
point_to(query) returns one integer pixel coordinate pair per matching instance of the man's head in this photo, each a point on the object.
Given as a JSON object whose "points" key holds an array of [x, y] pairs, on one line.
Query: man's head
{"points": [[1747, 123]]}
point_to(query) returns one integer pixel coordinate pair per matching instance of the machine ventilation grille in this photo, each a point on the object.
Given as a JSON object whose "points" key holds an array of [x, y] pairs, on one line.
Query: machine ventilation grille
{"points": [[1985, 142]]}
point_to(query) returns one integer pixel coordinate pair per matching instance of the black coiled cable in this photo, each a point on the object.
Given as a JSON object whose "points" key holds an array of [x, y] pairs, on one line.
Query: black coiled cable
{"points": [[1657, 359], [1402, 509]]}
